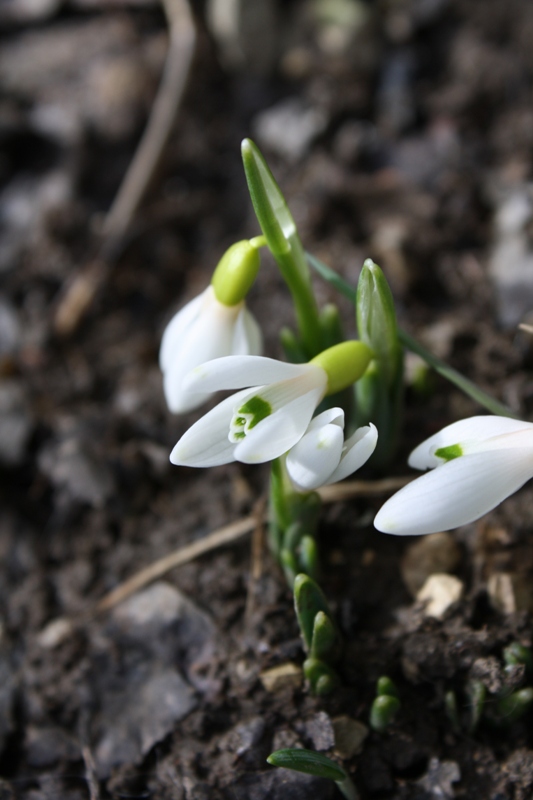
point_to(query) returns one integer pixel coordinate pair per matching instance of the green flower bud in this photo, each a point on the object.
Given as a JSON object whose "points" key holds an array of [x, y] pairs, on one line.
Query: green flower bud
{"points": [[324, 639], [376, 320], [236, 271], [344, 364]]}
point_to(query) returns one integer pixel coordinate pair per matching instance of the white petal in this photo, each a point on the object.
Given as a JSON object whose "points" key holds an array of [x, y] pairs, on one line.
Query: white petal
{"points": [[456, 493], [236, 372], [206, 443], [331, 416], [465, 429], [172, 336], [277, 433], [209, 337], [247, 338], [358, 449], [311, 462]]}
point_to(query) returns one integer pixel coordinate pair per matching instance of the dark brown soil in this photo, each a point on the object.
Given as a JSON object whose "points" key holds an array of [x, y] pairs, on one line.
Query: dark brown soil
{"points": [[425, 130]]}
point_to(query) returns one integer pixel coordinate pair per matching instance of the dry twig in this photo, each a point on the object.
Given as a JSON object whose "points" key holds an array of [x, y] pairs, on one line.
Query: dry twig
{"points": [[80, 292]]}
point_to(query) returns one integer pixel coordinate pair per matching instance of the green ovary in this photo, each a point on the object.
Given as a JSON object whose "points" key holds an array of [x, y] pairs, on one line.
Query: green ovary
{"points": [[450, 452]]}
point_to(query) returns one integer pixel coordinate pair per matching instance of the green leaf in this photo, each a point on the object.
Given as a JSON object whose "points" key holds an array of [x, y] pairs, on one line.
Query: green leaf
{"points": [[477, 694], [324, 638], [308, 601], [384, 709], [321, 676], [308, 556], [468, 387], [386, 686], [309, 762], [511, 708], [516, 653]]}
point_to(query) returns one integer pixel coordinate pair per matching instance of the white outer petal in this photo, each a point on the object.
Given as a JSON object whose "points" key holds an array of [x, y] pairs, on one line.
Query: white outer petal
{"points": [[236, 372], [247, 337], [456, 493], [173, 333], [358, 449], [206, 443], [311, 462], [277, 433], [464, 430], [209, 337]]}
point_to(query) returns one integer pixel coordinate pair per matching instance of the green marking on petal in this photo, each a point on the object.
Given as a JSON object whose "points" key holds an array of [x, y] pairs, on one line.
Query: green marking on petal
{"points": [[255, 409], [247, 417], [450, 452]]}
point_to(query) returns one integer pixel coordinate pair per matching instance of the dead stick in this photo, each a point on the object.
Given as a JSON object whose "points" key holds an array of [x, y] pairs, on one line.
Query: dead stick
{"points": [[80, 292]]}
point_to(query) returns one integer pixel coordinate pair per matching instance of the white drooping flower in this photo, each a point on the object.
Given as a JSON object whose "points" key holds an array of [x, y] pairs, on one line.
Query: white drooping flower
{"points": [[254, 425], [475, 464], [263, 422], [203, 330], [322, 456]]}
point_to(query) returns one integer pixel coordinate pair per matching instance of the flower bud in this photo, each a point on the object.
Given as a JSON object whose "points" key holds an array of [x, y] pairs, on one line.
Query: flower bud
{"points": [[344, 364]]}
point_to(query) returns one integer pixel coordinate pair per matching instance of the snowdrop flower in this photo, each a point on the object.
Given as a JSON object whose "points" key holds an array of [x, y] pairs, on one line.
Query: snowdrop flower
{"points": [[214, 324], [322, 456], [476, 463], [262, 423]]}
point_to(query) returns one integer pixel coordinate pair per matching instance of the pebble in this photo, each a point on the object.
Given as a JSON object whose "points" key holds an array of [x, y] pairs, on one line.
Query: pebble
{"points": [[440, 591], [283, 676], [319, 730], [439, 779], [436, 553], [510, 592], [289, 128], [350, 735]]}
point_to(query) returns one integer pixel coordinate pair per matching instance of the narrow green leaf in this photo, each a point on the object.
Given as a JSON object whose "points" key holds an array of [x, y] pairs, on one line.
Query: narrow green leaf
{"points": [[477, 694], [309, 762], [308, 557], [464, 384]]}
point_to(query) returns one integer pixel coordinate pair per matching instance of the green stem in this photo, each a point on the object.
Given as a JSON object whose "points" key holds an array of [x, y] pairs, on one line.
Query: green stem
{"points": [[451, 374]]}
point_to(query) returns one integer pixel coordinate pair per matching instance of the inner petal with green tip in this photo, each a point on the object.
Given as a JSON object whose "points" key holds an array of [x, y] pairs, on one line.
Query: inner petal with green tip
{"points": [[247, 417], [450, 452]]}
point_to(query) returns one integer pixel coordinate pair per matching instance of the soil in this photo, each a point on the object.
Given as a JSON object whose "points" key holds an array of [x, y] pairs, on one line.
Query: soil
{"points": [[422, 131]]}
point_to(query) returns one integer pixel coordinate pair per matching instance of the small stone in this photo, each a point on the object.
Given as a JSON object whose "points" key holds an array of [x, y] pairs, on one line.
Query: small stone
{"points": [[319, 730], [281, 677], [289, 128], [436, 553], [349, 736], [509, 592], [440, 591], [55, 633], [439, 779]]}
